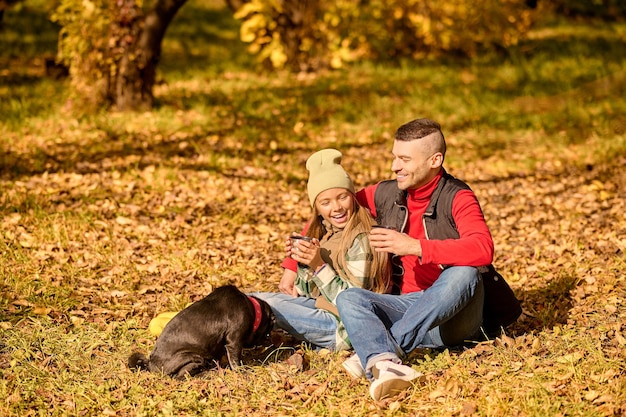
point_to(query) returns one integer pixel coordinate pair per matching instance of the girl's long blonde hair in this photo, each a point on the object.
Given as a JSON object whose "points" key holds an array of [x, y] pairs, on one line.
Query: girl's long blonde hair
{"points": [[361, 222]]}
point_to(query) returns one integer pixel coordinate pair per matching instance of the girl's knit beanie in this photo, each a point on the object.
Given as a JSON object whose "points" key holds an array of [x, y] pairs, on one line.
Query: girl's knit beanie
{"points": [[326, 172]]}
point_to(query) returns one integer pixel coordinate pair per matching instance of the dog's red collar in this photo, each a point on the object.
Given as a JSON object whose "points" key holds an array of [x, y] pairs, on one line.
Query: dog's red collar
{"points": [[257, 313]]}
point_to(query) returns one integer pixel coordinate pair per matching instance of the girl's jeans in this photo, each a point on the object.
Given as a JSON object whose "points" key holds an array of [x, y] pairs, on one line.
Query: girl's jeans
{"points": [[299, 317], [386, 326]]}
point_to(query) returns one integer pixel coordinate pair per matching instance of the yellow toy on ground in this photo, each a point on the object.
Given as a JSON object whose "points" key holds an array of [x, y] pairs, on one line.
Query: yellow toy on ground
{"points": [[158, 323]]}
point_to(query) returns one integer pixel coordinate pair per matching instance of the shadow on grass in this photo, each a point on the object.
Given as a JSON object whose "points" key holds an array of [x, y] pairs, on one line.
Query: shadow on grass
{"points": [[131, 154], [545, 307], [245, 116]]}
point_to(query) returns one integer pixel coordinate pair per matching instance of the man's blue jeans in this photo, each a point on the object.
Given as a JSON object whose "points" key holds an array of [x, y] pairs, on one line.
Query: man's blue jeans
{"points": [[299, 317], [386, 327]]}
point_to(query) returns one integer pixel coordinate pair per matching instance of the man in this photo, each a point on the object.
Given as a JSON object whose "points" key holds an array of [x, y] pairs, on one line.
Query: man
{"points": [[441, 240], [435, 231]]}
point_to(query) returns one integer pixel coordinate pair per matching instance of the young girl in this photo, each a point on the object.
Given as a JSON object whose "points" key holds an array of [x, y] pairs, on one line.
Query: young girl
{"points": [[335, 255]]}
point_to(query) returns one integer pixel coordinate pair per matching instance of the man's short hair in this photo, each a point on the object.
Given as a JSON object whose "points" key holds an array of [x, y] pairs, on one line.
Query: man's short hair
{"points": [[420, 128]]}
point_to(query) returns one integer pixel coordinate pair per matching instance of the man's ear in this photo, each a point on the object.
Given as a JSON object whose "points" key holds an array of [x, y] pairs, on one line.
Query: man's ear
{"points": [[436, 160]]}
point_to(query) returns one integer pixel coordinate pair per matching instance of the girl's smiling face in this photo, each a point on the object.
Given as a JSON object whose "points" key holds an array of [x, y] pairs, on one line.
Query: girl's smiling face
{"points": [[335, 205]]}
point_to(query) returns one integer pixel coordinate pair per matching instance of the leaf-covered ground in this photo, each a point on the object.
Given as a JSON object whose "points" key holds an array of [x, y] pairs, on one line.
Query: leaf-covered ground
{"points": [[92, 253], [107, 220]]}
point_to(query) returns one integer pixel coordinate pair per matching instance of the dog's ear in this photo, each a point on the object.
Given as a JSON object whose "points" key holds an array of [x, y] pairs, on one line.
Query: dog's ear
{"points": [[267, 311]]}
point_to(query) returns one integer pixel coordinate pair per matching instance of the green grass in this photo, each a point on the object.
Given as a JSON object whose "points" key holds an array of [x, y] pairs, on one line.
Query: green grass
{"points": [[109, 219]]}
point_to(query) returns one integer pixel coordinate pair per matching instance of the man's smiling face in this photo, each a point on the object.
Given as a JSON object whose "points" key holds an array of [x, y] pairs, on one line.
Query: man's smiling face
{"points": [[415, 162]]}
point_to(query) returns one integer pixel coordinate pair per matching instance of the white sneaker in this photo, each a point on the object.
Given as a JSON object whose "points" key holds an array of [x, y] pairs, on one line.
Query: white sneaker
{"points": [[353, 366], [391, 378]]}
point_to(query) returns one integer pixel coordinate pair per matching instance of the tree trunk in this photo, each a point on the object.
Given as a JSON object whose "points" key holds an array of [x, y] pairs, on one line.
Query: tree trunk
{"points": [[140, 38], [294, 23]]}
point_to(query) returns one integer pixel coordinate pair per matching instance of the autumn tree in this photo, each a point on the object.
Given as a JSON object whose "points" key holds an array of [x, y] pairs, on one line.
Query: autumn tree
{"points": [[113, 48]]}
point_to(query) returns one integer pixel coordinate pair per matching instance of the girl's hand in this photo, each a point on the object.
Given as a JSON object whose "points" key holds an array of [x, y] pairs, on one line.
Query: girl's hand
{"points": [[306, 252], [291, 242], [288, 246]]}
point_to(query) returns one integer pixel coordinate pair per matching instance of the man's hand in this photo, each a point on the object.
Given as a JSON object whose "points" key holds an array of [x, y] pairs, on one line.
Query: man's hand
{"points": [[391, 241]]}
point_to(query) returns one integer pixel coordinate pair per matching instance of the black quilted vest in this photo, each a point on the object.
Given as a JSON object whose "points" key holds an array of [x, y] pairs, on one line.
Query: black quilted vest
{"points": [[501, 307]]}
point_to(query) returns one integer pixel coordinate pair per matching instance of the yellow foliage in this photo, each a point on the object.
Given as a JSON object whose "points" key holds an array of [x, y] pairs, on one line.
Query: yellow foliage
{"points": [[277, 55], [383, 29], [82, 43], [251, 26]]}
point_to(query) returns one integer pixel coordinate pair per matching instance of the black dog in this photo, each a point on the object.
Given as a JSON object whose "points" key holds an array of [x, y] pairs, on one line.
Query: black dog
{"points": [[224, 321]]}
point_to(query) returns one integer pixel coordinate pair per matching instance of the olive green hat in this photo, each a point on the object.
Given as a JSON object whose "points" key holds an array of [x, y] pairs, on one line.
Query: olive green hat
{"points": [[326, 172]]}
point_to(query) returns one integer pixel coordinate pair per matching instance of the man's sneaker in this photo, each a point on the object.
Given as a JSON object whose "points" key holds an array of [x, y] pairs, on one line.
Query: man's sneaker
{"points": [[353, 366], [391, 379]]}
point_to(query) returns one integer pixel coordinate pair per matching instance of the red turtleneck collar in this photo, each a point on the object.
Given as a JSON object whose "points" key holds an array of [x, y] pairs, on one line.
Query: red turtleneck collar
{"points": [[425, 191]]}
